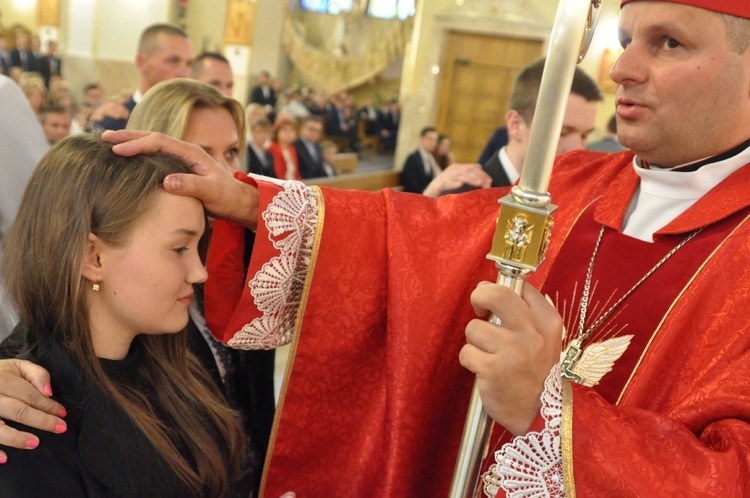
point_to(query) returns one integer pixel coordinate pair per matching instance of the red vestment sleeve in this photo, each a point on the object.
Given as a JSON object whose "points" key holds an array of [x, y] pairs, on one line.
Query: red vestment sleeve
{"points": [[226, 276], [227, 282]]}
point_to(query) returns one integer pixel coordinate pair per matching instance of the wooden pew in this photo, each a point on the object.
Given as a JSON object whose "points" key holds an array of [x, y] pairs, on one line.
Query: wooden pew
{"points": [[346, 162]]}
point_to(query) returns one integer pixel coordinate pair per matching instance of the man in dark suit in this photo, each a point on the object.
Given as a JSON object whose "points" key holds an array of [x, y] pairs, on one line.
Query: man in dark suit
{"points": [[309, 152], [21, 55], [36, 49], [336, 120], [260, 161], [389, 130], [420, 167], [164, 52], [342, 121], [5, 63], [372, 117], [50, 64], [264, 94]]}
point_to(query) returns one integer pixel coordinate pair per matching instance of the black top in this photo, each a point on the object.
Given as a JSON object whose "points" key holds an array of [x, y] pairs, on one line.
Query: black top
{"points": [[414, 178], [102, 453], [110, 123], [498, 140]]}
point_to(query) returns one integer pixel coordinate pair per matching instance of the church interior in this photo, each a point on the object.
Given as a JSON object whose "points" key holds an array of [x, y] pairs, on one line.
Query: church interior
{"points": [[443, 63]]}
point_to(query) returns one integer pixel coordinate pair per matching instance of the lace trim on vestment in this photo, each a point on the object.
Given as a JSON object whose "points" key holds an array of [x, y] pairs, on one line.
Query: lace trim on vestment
{"points": [[530, 466], [277, 288]]}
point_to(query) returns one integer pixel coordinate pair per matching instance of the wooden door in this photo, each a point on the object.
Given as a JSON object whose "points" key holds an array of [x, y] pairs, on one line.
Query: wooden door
{"points": [[478, 72]]}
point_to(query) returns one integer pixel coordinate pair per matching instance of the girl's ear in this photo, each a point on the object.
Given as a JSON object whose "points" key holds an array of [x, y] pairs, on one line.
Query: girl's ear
{"points": [[92, 266]]}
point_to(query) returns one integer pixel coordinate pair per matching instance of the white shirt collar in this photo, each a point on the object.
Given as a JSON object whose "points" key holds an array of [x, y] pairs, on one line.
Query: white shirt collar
{"points": [[510, 171], [688, 184], [663, 195]]}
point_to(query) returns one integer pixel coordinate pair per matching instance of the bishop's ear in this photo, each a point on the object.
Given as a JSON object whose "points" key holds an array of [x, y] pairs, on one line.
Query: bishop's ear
{"points": [[92, 266]]}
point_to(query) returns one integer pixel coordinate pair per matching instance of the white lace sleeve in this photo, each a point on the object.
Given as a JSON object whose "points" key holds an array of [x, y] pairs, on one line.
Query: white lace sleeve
{"points": [[530, 466], [291, 219]]}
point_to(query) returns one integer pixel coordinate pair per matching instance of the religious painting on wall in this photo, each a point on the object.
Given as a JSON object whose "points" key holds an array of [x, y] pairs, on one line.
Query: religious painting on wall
{"points": [[48, 12], [180, 13], [606, 83], [240, 21]]}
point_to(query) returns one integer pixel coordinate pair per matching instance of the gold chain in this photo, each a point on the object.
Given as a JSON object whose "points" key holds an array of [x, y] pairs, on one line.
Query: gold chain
{"points": [[574, 349]]}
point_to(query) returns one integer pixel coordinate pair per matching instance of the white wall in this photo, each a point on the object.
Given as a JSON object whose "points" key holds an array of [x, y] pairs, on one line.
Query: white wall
{"points": [[266, 53], [120, 23], [80, 28]]}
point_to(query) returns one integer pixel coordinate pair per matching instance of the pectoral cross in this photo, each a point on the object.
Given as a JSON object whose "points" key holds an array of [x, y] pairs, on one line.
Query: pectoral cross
{"points": [[572, 355]]}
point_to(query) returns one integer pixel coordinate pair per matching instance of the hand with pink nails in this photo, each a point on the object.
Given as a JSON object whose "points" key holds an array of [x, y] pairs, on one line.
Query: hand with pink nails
{"points": [[25, 397]]}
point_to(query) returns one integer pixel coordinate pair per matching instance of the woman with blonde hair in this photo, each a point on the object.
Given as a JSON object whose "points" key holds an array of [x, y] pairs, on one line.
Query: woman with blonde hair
{"points": [[32, 85], [106, 317], [195, 112], [255, 112], [59, 96]]}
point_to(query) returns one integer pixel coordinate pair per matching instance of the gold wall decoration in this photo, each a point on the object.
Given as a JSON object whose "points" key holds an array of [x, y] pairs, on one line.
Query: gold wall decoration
{"points": [[48, 12], [359, 49], [609, 57], [179, 12], [240, 22]]}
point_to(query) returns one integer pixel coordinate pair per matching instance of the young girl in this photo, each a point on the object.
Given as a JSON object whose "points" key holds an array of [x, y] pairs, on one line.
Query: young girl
{"points": [[285, 163], [198, 113], [100, 263]]}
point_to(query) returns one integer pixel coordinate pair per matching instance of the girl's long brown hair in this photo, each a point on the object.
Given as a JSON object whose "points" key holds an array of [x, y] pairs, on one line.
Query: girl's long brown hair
{"points": [[79, 187]]}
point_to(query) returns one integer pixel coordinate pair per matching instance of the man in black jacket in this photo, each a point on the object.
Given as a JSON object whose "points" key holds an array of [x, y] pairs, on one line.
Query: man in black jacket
{"points": [[309, 153], [420, 167], [50, 64], [264, 94], [164, 52], [259, 160]]}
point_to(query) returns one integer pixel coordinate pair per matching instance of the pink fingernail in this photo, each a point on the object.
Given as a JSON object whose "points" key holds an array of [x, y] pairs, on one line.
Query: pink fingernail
{"points": [[32, 443], [62, 413], [60, 428], [3, 459], [48, 389]]}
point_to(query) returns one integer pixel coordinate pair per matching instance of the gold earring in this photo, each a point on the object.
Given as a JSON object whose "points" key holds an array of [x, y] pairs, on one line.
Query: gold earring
{"points": [[95, 287]]}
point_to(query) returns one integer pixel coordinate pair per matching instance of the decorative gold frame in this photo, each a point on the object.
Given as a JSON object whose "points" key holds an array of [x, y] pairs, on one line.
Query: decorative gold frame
{"points": [[240, 22], [48, 12], [609, 56]]}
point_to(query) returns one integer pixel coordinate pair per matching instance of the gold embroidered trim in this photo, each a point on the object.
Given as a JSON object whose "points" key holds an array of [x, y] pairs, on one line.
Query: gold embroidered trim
{"points": [[566, 439], [567, 234], [674, 303], [295, 336]]}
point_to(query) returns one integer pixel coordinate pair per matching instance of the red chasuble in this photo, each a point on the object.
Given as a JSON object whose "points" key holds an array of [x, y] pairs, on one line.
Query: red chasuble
{"points": [[375, 288]]}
